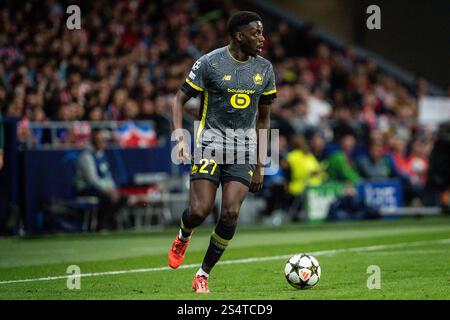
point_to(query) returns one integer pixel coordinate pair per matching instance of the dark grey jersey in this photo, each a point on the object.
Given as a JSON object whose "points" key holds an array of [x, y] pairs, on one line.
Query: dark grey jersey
{"points": [[231, 92]]}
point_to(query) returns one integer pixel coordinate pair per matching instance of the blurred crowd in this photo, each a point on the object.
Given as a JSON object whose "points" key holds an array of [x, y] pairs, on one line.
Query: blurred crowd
{"points": [[340, 117]]}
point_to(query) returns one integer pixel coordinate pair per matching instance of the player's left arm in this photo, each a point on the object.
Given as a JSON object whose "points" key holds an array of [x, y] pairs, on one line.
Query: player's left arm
{"points": [[263, 124]]}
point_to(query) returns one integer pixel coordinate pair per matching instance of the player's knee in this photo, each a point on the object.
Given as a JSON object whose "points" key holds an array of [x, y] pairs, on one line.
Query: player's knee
{"points": [[229, 216], [198, 212]]}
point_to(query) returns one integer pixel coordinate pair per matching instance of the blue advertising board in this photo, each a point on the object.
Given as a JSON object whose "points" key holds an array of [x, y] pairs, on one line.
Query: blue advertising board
{"points": [[49, 175], [384, 194]]}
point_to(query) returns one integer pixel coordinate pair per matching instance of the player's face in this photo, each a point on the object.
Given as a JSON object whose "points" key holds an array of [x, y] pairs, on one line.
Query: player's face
{"points": [[252, 39], [98, 141]]}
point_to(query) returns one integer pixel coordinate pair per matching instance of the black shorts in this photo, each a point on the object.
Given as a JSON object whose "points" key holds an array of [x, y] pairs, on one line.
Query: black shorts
{"points": [[221, 173]]}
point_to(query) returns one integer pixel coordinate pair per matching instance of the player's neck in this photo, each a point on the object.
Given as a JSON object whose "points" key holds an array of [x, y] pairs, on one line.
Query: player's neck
{"points": [[236, 53]]}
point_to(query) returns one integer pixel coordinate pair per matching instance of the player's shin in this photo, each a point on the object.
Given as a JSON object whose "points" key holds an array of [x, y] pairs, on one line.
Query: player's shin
{"points": [[186, 228], [218, 243]]}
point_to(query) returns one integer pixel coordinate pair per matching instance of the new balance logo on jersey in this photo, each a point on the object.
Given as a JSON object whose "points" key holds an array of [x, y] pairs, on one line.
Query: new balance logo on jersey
{"points": [[226, 77]]}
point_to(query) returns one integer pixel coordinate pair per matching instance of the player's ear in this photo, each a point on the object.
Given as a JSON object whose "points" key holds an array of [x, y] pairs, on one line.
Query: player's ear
{"points": [[239, 36]]}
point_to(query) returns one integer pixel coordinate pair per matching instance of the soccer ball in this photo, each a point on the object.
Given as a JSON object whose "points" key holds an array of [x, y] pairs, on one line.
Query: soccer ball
{"points": [[302, 271]]}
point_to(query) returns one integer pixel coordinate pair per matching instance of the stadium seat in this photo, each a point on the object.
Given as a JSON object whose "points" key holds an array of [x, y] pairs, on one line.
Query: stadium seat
{"points": [[89, 206]]}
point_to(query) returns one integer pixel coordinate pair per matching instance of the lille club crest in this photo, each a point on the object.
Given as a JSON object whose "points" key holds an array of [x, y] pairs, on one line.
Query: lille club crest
{"points": [[257, 79]]}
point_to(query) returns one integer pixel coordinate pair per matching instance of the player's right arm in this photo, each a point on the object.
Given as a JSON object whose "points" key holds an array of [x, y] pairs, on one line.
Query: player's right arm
{"points": [[192, 87], [177, 122]]}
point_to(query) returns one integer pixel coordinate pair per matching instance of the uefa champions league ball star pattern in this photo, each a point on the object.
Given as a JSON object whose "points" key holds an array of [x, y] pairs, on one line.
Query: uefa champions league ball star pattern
{"points": [[302, 271]]}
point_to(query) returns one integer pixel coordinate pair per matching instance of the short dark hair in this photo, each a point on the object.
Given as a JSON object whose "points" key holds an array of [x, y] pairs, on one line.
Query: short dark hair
{"points": [[96, 131], [241, 18]]}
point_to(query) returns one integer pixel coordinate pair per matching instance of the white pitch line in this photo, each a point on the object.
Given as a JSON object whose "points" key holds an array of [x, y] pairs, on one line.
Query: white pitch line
{"points": [[237, 261]]}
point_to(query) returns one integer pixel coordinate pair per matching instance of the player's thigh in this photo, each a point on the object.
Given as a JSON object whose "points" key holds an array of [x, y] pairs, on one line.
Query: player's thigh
{"points": [[202, 195], [206, 169], [233, 194], [205, 177]]}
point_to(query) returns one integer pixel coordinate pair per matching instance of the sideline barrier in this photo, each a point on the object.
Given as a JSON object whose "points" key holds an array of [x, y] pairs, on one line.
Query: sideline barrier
{"points": [[319, 199], [48, 175], [386, 195], [383, 194]]}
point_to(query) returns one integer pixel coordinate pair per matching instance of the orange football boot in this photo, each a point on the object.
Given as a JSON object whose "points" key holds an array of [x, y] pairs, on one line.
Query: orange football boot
{"points": [[200, 284], [177, 252]]}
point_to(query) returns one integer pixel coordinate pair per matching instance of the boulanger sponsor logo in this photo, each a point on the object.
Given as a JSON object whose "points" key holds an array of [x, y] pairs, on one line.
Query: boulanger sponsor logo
{"points": [[240, 100], [231, 90]]}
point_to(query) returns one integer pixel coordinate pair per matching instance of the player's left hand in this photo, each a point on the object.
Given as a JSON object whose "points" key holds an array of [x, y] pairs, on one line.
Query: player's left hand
{"points": [[257, 180]]}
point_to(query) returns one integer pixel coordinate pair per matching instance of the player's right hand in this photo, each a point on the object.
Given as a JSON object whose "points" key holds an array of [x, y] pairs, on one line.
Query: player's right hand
{"points": [[183, 152]]}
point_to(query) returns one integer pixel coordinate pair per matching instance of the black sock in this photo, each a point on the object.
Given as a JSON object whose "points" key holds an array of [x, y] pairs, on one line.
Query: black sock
{"points": [[185, 231], [219, 241]]}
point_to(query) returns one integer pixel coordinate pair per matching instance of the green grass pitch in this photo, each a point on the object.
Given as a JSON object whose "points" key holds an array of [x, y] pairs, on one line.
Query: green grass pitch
{"points": [[413, 256]]}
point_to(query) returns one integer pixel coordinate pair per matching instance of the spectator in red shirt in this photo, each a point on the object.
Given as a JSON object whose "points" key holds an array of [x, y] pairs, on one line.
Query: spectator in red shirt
{"points": [[398, 146], [417, 162]]}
